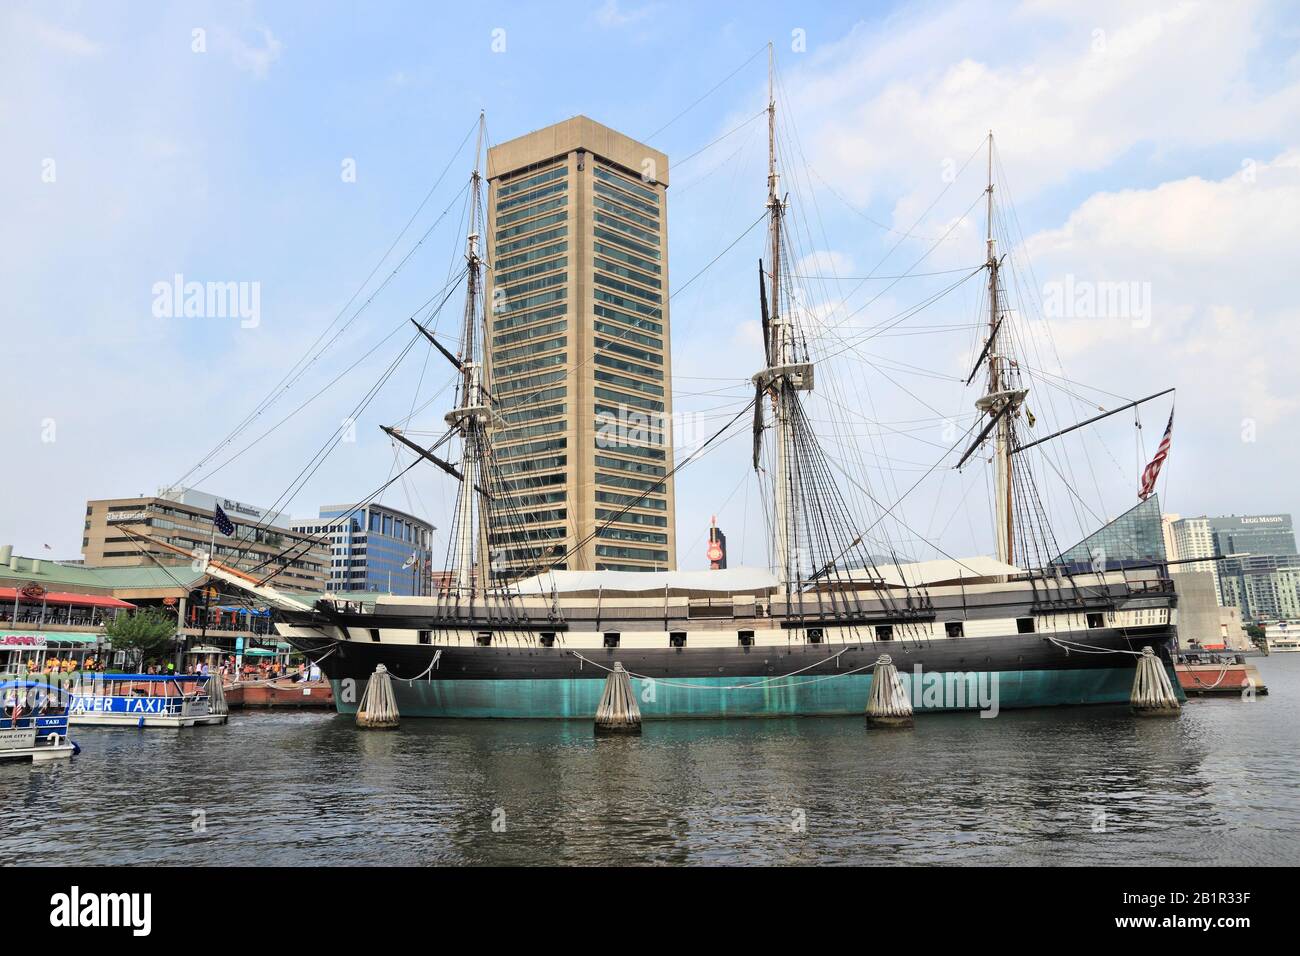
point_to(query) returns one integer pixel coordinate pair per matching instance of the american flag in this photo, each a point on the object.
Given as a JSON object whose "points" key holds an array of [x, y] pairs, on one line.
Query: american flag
{"points": [[224, 524], [1152, 471]]}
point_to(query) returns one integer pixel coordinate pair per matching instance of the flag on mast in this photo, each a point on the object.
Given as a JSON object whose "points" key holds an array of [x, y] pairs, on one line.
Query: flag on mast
{"points": [[1152, 470], [222, 522]]}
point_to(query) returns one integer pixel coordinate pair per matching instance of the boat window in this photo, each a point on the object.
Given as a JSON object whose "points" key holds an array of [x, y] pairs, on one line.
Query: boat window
{"points": [[426, 637], [815, 635], [746, 638], [374, 634], [546, 638], [483, 638], [955, 628], [884, 632], [1096, 619], [1024, 625], [677, 639], [611, 638]]}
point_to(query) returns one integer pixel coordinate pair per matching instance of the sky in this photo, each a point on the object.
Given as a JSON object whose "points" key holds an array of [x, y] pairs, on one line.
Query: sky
{"points": [[1147, 173]]}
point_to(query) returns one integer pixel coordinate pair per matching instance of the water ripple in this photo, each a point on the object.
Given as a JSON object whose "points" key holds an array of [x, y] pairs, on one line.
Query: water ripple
{"points": [[1065, 786]]}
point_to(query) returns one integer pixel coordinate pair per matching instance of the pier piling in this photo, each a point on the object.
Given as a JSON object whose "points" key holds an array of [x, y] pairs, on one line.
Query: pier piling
{"points": [[618, 712], [378, 710], [888, 704], [217, 696], [1153, 694]]}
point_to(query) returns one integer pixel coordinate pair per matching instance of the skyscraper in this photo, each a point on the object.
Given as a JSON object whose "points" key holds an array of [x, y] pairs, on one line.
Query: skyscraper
{"points": [[578, 351], [1259, 573], [1253, 534]]}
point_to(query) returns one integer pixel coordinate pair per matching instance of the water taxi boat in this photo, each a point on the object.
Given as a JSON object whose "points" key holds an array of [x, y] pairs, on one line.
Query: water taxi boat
{"points": [[35, 723], [144, 700]]}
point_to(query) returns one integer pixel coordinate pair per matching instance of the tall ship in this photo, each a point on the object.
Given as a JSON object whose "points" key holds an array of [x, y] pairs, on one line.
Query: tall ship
{"points": [[802, 636]]}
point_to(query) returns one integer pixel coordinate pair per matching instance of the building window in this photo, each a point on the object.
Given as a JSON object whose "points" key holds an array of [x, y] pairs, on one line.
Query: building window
{"points": [[1024, 625], [677, 639], [611, 638]]}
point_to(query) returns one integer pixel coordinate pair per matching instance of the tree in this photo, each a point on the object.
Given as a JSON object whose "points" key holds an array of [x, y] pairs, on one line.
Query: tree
{"points": [[145, 632]]}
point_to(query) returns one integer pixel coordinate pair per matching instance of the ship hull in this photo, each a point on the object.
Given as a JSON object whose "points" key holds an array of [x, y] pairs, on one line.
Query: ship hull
{"points": [[527, 681]]}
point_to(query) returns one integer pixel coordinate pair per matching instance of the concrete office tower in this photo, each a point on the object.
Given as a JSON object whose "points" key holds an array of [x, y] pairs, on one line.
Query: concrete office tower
{"points": [[578, 351], [183, 518]]}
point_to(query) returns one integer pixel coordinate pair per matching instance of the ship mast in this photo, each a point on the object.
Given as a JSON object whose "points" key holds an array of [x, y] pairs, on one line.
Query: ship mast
{"points": [[472, 415], [783, 376], [1000, 401]]}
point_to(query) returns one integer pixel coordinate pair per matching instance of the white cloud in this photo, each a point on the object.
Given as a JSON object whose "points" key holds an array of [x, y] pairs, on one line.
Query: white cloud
{"points": [[255, 57], [611, 14], [886, 104], [1218, 257], [828, 263], [57, 38]]}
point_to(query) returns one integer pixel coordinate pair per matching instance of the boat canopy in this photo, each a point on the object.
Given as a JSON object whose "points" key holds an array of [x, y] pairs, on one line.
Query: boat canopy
{"points": [[27, 684], [161, 678]]}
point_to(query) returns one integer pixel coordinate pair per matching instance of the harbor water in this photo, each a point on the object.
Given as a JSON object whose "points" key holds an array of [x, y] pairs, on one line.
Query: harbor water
{"points": [[1218, 785]]}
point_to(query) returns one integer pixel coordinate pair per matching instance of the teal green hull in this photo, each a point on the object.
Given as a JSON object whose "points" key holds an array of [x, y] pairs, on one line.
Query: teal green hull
{"points": [[702, 696]]}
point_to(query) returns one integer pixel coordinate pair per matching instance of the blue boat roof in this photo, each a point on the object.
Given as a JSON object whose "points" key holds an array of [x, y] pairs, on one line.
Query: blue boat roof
{"points": [[5, 685], [155, 677]]}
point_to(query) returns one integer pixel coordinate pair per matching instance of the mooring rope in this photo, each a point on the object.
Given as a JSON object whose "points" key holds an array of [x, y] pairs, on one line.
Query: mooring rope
{"points": [[437, 656], [1089, 648], [1222, 674], [757, 684]]}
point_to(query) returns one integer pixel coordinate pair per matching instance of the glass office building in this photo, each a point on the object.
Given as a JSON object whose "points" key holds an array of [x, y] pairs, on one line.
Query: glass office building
{"points": [[1258, 562], [1134, 538], [1253, 534], [374, 548]]}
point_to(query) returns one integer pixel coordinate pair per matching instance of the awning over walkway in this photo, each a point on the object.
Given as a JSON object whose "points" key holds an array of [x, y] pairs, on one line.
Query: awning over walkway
{"points": [[35, 640], [65, 597]]}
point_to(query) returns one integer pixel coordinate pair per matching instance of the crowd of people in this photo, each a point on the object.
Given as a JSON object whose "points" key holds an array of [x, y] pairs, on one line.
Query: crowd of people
{"points": [[228, 668], [264, 670], [53, 665]]}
